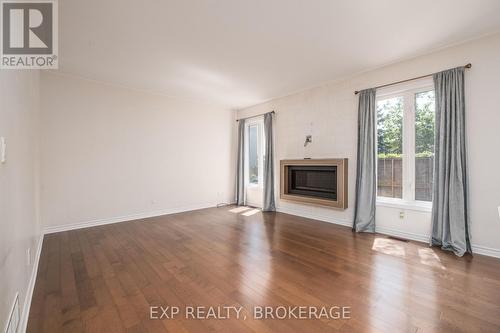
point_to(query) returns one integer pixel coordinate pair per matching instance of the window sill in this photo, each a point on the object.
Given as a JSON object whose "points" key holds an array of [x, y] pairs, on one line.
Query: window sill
{"points": [[421, 206]]}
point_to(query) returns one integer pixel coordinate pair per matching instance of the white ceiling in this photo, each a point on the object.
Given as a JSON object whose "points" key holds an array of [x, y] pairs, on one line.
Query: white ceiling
{"points": [[243, 52]]}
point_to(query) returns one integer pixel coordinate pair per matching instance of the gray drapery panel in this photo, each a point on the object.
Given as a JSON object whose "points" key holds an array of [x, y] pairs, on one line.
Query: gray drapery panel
{"points": [[366, 191], [268, 204], [240, 168], [450, 209]]}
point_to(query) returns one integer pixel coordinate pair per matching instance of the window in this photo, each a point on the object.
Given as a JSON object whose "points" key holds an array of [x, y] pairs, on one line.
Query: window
{"points": [[424, 144], [405, 144], [390, 147], [254, 152], [253, 159]]}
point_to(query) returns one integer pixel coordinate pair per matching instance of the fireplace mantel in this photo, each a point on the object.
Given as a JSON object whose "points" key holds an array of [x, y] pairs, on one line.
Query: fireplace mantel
{"points": [[315, 181]]}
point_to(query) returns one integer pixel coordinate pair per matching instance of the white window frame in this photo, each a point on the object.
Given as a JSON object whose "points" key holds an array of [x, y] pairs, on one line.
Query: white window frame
{"points": [[260, 150], [407, 91]]}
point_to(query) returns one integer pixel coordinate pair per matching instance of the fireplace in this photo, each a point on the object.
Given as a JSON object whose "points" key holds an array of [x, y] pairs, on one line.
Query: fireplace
{"points": [[316, 181], [322, 182]]}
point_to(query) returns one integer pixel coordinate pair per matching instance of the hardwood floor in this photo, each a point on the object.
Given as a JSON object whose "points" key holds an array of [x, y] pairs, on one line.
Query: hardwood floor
{"points": [[104, 279]]}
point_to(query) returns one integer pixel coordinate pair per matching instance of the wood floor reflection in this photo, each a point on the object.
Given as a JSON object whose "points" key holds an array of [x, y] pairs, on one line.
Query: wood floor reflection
{"points": [[104, 279]]}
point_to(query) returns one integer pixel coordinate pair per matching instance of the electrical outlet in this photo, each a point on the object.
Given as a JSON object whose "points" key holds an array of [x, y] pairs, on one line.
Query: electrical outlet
{"points": [[401, 215]]}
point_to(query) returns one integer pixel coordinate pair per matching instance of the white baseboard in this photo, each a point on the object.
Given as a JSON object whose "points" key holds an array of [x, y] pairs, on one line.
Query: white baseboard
{"points": [[476, 249], [31, 286], [347, 223], [314, 216], [486, 251], [126, 218], [402, 234]]}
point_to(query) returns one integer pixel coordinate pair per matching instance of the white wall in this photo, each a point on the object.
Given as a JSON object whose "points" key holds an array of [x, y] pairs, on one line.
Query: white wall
{"points": [[110, 153], [329, 113], [19, 227]]}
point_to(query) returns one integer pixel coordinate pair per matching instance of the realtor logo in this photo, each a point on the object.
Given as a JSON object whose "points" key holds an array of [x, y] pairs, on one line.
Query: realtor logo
{"points": [[29, 34]]}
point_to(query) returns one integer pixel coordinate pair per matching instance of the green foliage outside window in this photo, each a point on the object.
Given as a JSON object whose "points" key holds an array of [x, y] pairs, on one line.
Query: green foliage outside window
{"points": [[390, 126]]}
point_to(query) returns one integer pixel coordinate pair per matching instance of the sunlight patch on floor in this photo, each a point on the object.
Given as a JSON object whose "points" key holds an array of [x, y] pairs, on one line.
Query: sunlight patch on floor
{"points": [[430, 258], [245, 210], [238, 210], [389, 246], [251, 212]]}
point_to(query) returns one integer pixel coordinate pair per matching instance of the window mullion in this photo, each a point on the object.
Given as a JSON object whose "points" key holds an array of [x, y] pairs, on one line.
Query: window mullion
{"points": [[393, 172]]}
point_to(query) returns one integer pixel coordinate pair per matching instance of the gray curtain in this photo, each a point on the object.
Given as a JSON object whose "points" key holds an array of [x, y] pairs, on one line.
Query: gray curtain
{"points": [[450, 209], [269, 204], [366, 191], [240, 168]]}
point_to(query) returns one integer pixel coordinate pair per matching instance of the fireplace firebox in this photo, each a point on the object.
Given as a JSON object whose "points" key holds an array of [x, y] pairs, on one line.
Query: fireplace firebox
{"points": [[315, 181]]}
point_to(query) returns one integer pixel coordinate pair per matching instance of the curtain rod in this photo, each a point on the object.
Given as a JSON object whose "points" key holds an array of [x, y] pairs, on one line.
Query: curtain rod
{"points": [[255, 115], [403, 81]]}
